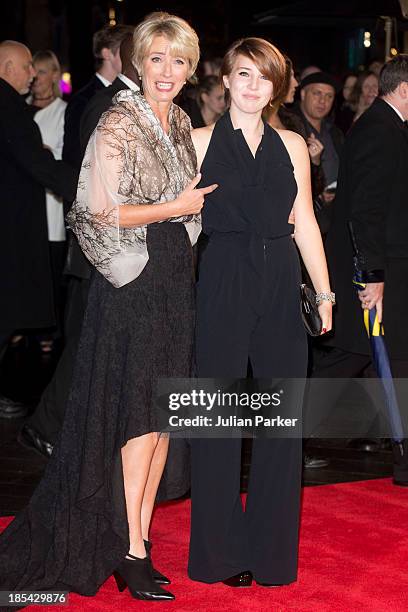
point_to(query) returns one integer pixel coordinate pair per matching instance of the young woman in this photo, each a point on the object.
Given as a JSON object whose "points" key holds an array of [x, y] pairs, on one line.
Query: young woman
{"points": [[248, 309], [210, 101], [364, 93]]}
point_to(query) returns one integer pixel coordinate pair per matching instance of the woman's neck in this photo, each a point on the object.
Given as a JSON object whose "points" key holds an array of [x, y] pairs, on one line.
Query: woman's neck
{"points": [[208, 115], [362, 106], [274, 120], [43, 101], [251, 124], [161, 110]]}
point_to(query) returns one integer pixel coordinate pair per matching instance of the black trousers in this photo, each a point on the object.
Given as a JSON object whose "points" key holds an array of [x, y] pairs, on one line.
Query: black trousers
{"points": [[49, 414], [246, 312], [58, 254]]}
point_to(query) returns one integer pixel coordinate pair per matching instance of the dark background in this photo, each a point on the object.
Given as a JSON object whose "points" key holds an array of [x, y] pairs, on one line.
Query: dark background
{"points": [[328, 33]]}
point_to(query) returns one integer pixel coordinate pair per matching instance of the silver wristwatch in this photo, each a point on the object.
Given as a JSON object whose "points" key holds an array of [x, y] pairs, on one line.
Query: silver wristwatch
{"points": [[325, 297]]}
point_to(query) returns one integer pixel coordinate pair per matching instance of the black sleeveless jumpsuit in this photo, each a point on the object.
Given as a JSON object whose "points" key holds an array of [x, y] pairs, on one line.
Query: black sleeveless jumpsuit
{"points": [[247, 309]]}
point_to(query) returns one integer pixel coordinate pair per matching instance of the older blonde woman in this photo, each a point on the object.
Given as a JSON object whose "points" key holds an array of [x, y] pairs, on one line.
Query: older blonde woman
{"points": [[49, 108], [135, 218]]}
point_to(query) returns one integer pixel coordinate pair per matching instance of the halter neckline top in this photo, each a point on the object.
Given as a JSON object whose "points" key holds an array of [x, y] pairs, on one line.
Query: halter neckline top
{"points": [[255, 194]]}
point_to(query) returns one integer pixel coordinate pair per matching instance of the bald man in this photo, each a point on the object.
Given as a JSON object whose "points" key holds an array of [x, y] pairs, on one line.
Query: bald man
{"points": [[16, 65], [27, 168]]}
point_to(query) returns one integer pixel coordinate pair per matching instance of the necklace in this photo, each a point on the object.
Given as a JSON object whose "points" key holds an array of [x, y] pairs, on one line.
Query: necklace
{"points": [[35, 99]]}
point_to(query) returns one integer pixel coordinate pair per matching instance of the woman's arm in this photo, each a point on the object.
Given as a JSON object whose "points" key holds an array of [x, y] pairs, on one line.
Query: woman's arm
{"points": [[189, 202], [201, 139], [307, 233]]}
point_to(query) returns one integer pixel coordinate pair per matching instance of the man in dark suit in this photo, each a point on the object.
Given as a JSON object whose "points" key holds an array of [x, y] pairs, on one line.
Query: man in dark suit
{"points": [[106, 50], [128, 78], [26, 169], [372, 195], [41, 430]]}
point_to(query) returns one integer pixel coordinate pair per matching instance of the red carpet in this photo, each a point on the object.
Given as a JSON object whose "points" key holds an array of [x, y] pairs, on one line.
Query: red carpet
{"points": [[353, 557]]}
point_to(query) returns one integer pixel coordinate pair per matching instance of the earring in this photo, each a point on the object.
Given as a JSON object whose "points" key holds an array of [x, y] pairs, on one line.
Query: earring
{"points": [[141, 85]]}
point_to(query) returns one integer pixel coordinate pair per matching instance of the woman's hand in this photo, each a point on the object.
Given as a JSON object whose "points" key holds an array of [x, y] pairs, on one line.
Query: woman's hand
{"points": [[191, 200], [315, 148], [325, 310]]}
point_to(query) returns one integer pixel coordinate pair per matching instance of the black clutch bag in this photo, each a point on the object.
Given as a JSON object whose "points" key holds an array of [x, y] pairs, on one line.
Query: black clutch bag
{"points": [[310, 311]]}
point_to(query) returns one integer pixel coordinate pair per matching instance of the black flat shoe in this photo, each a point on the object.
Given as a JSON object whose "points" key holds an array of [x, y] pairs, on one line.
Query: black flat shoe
{"points": [[157, 576], [314, 463], [244, 579], [136, 574], [268, 584], [10, 409]]}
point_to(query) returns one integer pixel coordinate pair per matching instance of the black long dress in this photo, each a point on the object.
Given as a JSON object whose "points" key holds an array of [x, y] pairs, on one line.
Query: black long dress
{"points": [[74, 531], [247, 309]]}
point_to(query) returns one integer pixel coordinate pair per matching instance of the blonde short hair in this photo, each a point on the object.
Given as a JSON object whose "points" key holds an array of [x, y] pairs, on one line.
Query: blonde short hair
{"points": [[183, 39], [52, 60]]}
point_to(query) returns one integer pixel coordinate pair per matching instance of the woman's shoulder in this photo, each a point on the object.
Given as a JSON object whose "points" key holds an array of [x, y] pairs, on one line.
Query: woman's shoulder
{"points": [[60, 107], [60, 103], [123, 112], [295, 146], [180, 117], [292, 141], [203, 134], [201, 139]]}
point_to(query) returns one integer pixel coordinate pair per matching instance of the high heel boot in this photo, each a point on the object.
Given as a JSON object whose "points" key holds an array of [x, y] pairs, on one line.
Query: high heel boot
{"points": [[157, 576], [136, 574]]}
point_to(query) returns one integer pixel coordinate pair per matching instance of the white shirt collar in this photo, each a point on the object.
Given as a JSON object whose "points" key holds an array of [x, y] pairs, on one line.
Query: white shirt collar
{"points": [[131, 84], [396, 110], [102, 79]]}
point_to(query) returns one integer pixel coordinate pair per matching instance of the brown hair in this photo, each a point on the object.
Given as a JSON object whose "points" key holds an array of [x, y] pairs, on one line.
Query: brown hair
{"points": [[206, 85], [276, 104], [109, 37], [358, 88], [268, 59]]}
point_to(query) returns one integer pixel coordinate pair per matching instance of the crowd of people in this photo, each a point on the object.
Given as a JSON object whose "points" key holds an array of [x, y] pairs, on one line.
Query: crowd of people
{"points": [[105, 197]]}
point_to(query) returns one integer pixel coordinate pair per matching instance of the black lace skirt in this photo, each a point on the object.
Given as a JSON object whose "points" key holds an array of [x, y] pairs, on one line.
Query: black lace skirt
{"points": [[74, 532]]}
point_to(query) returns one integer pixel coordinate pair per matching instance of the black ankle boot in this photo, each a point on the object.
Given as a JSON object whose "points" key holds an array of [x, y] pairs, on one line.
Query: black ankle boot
{"points": [[244, 579], [136, 574], [158, 576]]}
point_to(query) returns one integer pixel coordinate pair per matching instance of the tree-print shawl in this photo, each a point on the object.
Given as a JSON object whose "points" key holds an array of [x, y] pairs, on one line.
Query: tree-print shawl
{"points": [[130, 160]]}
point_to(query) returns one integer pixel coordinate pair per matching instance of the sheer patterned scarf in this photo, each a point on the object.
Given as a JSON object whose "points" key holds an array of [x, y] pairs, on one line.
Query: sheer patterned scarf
{"points": [[130, 160]]}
